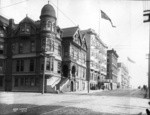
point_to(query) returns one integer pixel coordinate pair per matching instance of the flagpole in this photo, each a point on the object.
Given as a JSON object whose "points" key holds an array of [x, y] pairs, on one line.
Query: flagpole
{"points": [[147, 13], [149, 65]]}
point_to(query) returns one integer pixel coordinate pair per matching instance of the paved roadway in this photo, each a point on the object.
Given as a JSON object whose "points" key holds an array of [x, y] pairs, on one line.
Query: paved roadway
{"points": [[118, 102]]}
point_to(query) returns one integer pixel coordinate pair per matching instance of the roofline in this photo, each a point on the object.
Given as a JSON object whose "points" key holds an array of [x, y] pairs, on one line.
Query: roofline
{"points": [[92, 31], [112, 50], [4, 20], [70, 27]]}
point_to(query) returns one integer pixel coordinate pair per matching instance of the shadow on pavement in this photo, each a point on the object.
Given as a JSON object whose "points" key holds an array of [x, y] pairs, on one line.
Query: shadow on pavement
{"points": [[31, 109], [26, 109]]}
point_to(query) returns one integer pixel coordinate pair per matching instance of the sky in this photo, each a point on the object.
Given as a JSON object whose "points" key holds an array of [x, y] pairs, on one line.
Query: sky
{"points": [[130, 38]]}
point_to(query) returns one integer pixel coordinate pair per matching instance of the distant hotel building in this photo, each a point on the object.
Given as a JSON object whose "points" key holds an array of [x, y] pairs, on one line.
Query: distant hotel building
{"points": [[123, 76], [112, 58], [96, 59]]}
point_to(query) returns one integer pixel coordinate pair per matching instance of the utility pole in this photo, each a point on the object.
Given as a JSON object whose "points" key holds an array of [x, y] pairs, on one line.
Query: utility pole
{"points": [[147, 13]]}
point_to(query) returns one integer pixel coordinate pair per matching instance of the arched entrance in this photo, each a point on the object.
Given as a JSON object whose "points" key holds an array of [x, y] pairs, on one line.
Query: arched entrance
{"points": [[71, 86], [65, 71]]}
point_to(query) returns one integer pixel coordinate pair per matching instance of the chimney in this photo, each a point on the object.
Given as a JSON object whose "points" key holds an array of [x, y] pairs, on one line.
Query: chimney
{"points": [[11, 23]]}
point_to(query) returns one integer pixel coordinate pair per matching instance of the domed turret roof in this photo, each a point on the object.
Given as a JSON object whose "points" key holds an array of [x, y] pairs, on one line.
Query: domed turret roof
{"points": [[48, 10]]}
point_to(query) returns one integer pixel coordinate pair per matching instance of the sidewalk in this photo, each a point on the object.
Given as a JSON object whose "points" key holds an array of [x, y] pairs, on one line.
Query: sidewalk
{"points": [[84, 92], [3, 93]]}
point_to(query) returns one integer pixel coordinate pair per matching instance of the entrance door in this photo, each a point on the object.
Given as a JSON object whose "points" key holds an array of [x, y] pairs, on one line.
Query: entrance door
{"points": [[65, 71], [71, 85]]}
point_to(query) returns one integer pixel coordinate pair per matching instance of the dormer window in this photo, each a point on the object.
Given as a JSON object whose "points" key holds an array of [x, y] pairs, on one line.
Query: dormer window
{"points": [[25, 28]]}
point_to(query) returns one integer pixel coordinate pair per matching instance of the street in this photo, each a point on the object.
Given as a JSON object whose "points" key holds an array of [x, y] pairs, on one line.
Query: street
{"points": [[117, 102]]}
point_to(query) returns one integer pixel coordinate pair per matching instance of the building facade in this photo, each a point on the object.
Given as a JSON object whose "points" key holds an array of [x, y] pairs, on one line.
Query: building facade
{"points": [[112, 58], [96, 59], [33, 51], [3, 34], [74, 60], [123, 76]]}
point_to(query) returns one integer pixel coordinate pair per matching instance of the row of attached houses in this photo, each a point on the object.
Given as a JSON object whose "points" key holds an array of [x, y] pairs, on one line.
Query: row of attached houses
{"points": [[39, 56]]}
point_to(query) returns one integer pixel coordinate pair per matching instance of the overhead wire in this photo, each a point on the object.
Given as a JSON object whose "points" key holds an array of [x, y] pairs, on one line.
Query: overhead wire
{"points": [[64, 14], [51, 3], [13, 4]]}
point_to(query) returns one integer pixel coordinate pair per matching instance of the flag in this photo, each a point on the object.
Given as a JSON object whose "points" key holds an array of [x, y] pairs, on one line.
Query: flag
{"points": [[130, 60], [105, 16]]}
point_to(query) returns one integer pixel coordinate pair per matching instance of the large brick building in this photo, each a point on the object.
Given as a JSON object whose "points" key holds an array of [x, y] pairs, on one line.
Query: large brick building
{"points": [[31, 53]]}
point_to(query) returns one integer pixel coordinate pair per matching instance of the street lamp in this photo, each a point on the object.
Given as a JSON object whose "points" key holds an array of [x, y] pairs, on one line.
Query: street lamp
{"points": [[148, 20]]}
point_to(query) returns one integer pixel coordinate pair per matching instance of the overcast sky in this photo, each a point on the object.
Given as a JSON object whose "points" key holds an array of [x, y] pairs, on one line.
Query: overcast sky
{"points": [[130, 38]]}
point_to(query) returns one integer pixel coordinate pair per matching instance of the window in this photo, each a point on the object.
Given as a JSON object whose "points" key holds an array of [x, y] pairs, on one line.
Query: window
{"points": [[65, 51], [77, 85], [21, 48], [1, 81], [22, 65], [43, 27], [42, 64], [19, 65], [53, 27], [83, 73], [1, 66], [32, 65], [48, 64], [59, 50], [49, 24], [13, 48], [2, 33], [22, 81], [57, 47], [16, 82], [52, 45], [59, 67], [48, 44], [32, 46], [83, 85], [27, 28], [52, 64], [32, 83], [27, 81], [22, 29], [1, 48], [43, 44]]}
